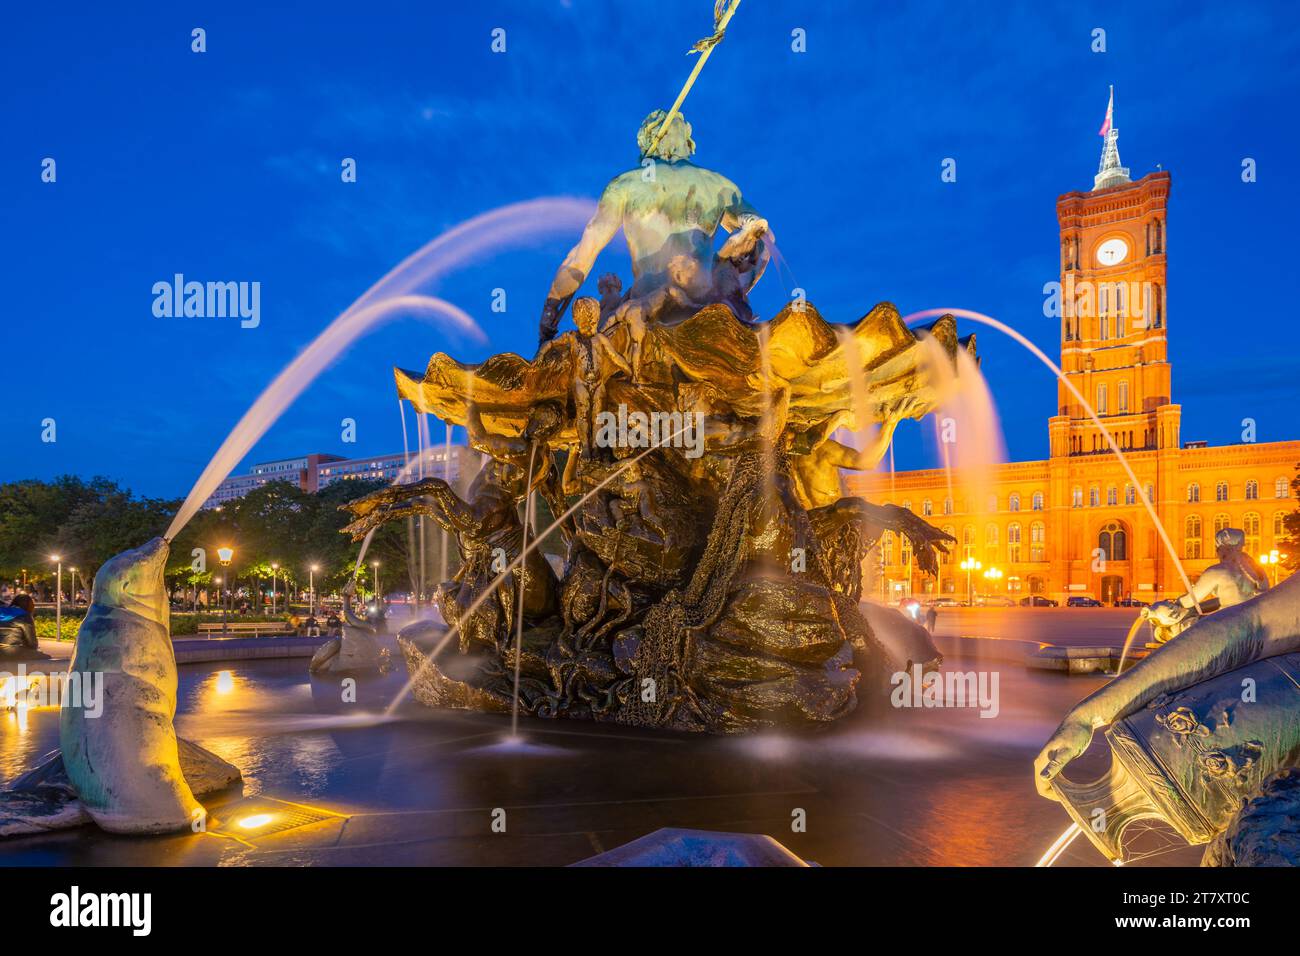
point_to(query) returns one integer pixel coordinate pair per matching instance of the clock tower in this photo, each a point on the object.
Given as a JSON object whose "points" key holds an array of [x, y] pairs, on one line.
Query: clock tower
{"points": [[1114, 316], [1114, 351]]}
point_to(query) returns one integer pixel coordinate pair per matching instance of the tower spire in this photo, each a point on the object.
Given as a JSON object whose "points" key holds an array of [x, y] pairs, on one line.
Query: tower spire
{"points": [[1109, 170]]}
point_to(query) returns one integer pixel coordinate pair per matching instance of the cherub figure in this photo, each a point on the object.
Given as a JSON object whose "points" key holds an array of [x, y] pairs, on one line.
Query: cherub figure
{"points": [[610, 287], [596, 361]]}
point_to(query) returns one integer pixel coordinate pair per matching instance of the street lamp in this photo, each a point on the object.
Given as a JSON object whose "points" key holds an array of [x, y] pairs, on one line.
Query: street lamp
{"points": [[1271, 560], [312, 587], [993, 576], [375, 565], [224, 555], [970, 566], [58, 597], [72, 591], [274, 569]]}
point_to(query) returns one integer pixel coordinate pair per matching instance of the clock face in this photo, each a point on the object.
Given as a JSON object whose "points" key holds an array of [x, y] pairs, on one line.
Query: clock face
{"points": [[1112, 252]]}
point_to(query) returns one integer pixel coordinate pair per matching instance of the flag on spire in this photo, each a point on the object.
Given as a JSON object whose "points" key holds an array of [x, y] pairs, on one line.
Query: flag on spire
{"points": [[1110, 114]]}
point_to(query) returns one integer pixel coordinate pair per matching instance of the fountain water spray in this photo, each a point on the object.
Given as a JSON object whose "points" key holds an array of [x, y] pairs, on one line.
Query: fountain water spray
{"points": [[391, 295], [1055, 369], [523, 582]]}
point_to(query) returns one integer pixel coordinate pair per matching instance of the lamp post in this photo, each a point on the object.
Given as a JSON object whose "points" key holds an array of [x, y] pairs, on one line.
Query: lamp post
{"points": [[275, 569], [375, 565], [1271, 561], [312, 588], [224, 555], [970, 566], [58, 596], [72, 590], [993, 576]]}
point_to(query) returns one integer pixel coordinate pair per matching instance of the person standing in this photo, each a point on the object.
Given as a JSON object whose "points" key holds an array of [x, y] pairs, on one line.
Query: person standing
{"points": [[931, 616]]}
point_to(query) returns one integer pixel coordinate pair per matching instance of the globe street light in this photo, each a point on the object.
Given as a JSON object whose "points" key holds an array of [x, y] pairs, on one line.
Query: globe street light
{"points": [[224, 555], [993, 576], [58, 597], [970, 566]]}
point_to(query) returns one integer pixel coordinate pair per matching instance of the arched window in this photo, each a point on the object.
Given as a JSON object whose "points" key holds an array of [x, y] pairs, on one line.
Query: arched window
{"points": [[1112, 495], [1038, 501], [887, 548], [952, 532], [1094, 497], [1121, 305], [990, 543], [1193, 492], [1221, 491], [1151, 494], [1279, 527], [1281, 488], [1130, 495], [1013, 501], [1037, 541], [1013, 543], [1192, 537], [1252, 490], [1250, 525], [927, 507], [947, 506], [1113, 542], [907, 504], [1221, 521], [1076, 497], [968, 541]]}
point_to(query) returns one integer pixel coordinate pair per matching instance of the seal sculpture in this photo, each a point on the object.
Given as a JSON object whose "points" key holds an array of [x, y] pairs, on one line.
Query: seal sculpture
{"points": [[125, 763]]}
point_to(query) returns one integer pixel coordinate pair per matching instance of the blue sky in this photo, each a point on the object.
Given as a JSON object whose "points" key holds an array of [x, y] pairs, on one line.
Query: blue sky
{"points": [[225, 166]]}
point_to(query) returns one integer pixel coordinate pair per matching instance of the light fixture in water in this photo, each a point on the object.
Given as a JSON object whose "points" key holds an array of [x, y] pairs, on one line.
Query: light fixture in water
{"points": [[225, 682], [256, 821]]}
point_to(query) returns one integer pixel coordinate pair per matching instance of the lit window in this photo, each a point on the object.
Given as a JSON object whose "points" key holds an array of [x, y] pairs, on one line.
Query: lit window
{"points": [[1192, 537], [1122, 396], [927, 507], [1281, 488], [1193, 492], [1076, 497], [1221, 491], [1112, 496], [1013, 502], [1252, 490], [1038, 501], [1130, 495], [1094, 497]]}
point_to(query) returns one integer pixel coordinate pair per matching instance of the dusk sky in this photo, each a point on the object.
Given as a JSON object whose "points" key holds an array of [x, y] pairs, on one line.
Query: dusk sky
{"points": [[225, 166]]}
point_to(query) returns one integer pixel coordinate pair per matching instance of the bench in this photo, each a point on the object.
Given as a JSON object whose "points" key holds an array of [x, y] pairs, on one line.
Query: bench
{"points": [[243, 628]]}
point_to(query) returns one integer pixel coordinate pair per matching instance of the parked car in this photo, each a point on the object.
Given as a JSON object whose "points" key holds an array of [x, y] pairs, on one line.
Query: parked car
{"points": [[1079, 600], [1130, 601], [1037, 600], [945, 602], [994, 600]]}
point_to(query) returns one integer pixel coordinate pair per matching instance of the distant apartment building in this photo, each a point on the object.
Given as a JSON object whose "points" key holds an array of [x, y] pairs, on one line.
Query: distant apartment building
{"points": [[455, 464]]}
